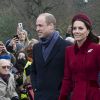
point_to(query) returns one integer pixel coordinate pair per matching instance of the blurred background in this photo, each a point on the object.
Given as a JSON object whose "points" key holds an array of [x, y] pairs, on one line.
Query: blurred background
{"points": [[26, 11]]}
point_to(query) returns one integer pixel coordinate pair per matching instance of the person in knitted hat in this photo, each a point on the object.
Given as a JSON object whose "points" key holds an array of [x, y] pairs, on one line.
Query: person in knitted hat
{"points": [[7, 83], [82, 63]]}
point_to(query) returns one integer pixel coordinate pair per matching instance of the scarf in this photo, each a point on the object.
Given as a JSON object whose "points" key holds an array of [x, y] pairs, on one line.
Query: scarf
{"points": [[48, 44]]}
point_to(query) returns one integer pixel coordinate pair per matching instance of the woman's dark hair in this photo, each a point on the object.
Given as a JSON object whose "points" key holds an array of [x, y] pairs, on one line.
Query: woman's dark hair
{"points": [[91, 35], [17, 54]]}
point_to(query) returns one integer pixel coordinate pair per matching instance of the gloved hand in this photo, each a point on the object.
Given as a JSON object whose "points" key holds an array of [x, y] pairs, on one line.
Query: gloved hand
{"points": [[15, 98]]}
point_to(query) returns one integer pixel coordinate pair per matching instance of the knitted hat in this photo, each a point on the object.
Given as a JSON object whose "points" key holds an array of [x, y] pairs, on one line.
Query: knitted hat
{"points": [[5, 56], [84, 18]]}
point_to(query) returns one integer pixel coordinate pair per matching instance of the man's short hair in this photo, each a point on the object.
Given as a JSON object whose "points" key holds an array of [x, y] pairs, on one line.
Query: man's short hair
{"points": [[50, 18]]}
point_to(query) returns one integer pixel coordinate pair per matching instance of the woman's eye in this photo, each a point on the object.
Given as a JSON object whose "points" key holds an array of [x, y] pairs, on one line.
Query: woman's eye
{"points": [[80, 28], [74, 28]]}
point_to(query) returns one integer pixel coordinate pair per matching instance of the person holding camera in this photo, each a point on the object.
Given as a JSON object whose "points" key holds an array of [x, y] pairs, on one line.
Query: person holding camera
{"points": [[19, 41]]}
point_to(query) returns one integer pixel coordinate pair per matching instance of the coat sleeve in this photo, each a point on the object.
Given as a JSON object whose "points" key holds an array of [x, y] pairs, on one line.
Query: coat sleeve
{"points": [[4, 98], [3, 91], [98, 61], [12, 87], [67, 80], [33, 71], [9, 46], [98, 56]]}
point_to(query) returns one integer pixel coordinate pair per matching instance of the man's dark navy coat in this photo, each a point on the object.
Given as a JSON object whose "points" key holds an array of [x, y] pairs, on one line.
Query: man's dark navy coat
{"points": [[46, 76]]}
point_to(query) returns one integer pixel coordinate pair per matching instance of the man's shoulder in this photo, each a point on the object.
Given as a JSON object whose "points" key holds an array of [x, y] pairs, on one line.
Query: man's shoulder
{"points": [[36, 45], [64, 42]]}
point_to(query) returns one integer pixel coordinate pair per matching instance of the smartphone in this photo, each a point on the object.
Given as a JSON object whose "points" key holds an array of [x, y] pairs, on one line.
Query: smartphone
{"points": [[16, 36], [20, 26]]}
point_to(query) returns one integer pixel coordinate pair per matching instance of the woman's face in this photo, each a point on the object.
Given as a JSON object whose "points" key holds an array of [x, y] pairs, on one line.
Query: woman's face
{"points": [[80, 31], [22, 36], [21, 55]]}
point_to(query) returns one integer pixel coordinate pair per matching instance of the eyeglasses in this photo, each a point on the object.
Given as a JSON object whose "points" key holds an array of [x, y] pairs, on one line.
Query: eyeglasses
{"points": [[4, 67]]}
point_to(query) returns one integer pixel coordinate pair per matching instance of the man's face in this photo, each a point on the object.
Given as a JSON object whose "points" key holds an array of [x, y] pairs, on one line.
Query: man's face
{"points": [[5, 67], [2, 48], [43, 29]]}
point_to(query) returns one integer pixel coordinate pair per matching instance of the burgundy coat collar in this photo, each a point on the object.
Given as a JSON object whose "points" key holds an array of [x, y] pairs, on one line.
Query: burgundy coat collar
{"points": [[84, 47]]}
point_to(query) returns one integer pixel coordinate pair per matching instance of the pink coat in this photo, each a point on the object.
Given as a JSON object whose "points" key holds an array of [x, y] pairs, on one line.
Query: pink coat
{"points": [[82, 66]]}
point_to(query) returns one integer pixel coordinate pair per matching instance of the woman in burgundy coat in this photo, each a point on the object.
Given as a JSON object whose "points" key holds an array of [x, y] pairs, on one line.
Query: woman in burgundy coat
{"points": [[82, 63]]}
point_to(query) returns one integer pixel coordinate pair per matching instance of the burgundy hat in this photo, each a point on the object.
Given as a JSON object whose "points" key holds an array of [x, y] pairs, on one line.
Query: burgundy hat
{"points": [[84, 18]]}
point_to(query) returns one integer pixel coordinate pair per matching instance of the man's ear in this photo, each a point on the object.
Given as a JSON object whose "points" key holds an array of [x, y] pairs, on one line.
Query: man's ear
{"points": [[51, 25]]}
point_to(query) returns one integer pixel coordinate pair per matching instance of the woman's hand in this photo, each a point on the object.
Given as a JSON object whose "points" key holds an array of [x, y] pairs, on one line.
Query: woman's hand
{"points": [[13, 43]]}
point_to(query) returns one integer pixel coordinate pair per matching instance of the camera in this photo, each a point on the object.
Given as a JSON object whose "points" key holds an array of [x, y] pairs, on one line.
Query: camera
{"points": [[20, 26]]}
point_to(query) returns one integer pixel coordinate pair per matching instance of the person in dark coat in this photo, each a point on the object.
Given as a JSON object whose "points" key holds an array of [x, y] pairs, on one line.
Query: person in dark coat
{"points": [[48, 59], [82, 62]]}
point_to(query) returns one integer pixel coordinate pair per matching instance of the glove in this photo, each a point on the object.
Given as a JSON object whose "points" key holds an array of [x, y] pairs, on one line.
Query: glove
{"points": [[15, 98]]}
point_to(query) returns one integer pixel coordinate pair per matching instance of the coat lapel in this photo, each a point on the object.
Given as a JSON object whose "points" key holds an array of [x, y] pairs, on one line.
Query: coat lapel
{"points": [[54, 51], [39, 55]]}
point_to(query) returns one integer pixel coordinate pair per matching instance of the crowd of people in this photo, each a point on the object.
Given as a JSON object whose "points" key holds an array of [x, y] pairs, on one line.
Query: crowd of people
{"points": [[51, 68], [18, 51]]}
